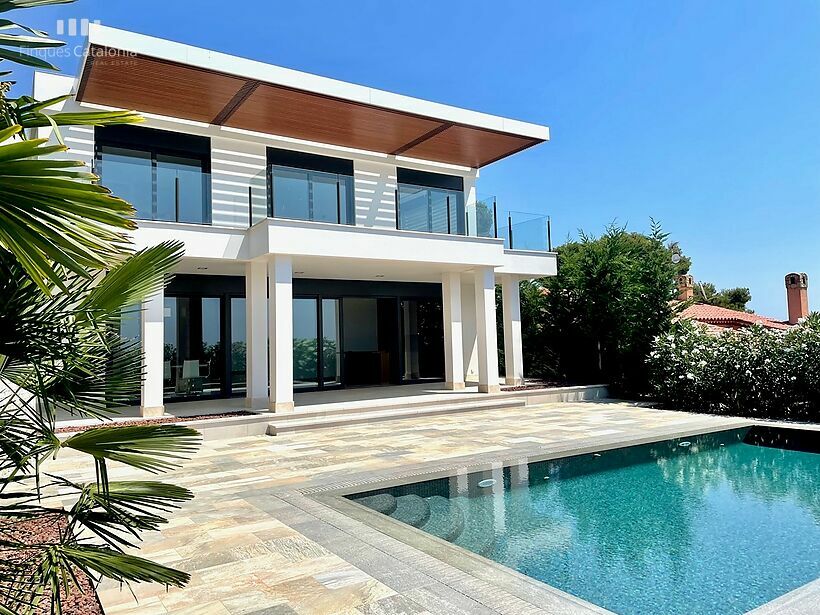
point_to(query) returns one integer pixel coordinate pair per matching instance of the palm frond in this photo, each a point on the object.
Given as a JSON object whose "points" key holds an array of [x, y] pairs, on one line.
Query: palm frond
{"points": [[118, 566], [153, 448], [141, 275], [53, 219], [8, 5], [124, 506]]}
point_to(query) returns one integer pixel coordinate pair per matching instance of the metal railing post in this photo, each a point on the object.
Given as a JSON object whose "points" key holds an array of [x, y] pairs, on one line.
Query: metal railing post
{"points": [[176, 197], [449, 229], [398, 211], [509, 228], [250, 206], [495, 219], [549, 234]]}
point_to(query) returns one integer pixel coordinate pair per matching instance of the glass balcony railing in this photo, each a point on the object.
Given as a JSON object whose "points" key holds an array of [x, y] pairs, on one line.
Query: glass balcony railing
{"points": [[519, 230], [526, 231], [258, 198], [429, 210], [160, 187], [481, 218]]}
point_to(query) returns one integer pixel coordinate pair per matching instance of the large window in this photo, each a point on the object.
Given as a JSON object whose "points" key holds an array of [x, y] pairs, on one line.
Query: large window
{"points": [[430, 202], [310, 187], [163, 175]]}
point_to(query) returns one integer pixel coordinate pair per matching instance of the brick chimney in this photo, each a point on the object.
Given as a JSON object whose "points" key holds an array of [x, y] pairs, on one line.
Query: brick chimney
{"points": [[797, 296], [686, 287]]}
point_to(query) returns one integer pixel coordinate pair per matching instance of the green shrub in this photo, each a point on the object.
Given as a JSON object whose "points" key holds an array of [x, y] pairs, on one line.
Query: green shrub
{"points": [[754, 372]]}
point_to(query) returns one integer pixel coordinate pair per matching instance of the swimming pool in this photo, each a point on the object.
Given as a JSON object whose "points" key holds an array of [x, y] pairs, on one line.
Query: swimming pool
{"points": [[714, 523]]}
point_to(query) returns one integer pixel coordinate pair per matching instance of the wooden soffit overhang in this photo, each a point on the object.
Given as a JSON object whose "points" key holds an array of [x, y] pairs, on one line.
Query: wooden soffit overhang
{"points": [[130, 80]]}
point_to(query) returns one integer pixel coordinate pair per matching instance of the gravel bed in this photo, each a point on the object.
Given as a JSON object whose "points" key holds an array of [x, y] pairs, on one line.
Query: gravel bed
{"points": [[47, 529], [533, 386], [154, 421]]}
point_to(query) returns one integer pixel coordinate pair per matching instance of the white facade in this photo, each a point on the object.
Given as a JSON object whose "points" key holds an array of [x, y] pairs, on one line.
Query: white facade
{"points": [[273, 254]]}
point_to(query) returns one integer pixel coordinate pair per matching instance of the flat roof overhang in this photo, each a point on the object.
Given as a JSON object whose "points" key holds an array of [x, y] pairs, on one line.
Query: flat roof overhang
{"points": [[132, 71]]}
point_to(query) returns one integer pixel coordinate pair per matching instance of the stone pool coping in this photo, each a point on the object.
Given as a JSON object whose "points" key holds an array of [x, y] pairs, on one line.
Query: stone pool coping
{"points": [[487, 582]]}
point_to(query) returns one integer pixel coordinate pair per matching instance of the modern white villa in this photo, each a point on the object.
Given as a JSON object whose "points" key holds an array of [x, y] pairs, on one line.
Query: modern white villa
{"points": [[333, 233]]}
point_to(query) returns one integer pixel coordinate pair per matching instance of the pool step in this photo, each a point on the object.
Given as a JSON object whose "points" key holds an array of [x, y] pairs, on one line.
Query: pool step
{"points": [[478, 533], [462, 521], [297, 421], [446, 518], [412, 509], [381, 502]]}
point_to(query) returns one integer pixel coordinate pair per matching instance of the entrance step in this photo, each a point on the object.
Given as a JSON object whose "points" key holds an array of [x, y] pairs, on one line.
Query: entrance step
{"points": [[301, 421]]}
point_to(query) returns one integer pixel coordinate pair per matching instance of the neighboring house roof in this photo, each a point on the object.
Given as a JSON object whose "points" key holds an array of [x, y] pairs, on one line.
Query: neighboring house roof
{"points": [[714, 316]]}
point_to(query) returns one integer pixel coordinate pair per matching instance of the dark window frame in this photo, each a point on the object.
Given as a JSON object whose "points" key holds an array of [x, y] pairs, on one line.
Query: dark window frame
{"points": [[302, 161], [158, 143]]}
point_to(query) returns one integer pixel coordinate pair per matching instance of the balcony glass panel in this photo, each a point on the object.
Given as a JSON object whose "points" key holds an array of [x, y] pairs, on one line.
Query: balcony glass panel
{"points": [[311, 195], [524, 231], [159, 186], [291, 193], [481, 218], [413, 208], [432, 210], [325, 197], [129, 175], [346, 211], [258, 198], [180, 190]]}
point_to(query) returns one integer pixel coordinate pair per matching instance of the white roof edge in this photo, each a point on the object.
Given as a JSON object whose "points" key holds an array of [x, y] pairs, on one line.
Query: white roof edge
{"points": [[142, 44]]}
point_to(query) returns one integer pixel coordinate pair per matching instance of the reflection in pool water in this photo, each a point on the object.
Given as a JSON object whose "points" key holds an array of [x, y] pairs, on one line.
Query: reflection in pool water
{"points": [[718, 526]]}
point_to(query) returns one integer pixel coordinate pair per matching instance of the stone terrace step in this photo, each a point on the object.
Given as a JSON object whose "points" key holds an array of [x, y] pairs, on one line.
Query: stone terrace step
{"points": [[394, 403], [297, 422]]}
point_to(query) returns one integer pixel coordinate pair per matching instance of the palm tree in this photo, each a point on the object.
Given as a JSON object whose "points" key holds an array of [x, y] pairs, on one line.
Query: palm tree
{"points": [[67, 275]]}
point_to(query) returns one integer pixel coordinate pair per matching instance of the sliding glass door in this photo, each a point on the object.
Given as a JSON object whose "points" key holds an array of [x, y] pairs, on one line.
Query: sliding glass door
{"points": [[204, 347], [331, 343], [305, 344], [315, 320], [422, 333], [238, 348]]}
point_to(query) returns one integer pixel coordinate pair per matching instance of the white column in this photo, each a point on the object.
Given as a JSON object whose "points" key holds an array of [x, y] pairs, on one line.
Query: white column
{"points": [[153, 350], [280, 331], [485, 330], [256, 333], [453, 344], [513, 347]]}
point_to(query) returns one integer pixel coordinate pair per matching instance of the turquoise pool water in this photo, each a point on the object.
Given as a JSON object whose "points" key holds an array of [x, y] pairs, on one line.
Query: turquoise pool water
{"points": [[705, 524]]}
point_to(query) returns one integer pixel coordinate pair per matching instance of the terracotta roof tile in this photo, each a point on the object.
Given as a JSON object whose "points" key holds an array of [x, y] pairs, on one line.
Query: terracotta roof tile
{"points": [[714, 315]]}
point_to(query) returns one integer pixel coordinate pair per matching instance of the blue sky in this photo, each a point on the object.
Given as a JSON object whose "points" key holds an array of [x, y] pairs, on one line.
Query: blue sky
{"points": [[704, 115]]}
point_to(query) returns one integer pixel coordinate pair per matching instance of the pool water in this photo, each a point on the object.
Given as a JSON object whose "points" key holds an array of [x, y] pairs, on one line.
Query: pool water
{"points": [[707, 524]]}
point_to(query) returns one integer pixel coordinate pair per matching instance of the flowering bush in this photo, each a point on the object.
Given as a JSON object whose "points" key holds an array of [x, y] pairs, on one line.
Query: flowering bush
{"points": [[754, 372]]}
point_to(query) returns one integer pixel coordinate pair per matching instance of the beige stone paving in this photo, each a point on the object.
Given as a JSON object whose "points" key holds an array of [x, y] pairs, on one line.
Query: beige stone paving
{"points": [[246, 547]]}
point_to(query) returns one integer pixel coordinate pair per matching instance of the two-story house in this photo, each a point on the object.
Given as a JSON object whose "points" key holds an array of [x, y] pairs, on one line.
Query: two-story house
{"points": [[333, 236]]}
